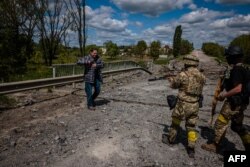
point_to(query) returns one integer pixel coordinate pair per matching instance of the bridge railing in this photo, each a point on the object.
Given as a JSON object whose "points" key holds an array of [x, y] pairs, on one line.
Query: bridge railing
{"points": [[67, 75], [60, 70]]}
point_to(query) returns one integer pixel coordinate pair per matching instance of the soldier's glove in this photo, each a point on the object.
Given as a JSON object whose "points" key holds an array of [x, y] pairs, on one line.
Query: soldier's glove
{"points": [[221, 97]]}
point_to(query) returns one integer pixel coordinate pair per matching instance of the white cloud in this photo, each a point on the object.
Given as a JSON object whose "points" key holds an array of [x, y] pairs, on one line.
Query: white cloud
{"points": [[101, 19], [199, 25], [151, 7], [203, 25], [233, 1], [238, 21], [126, 37], [161, 30], [202, 15], [138, 23], [102, 26], [192, 6]]}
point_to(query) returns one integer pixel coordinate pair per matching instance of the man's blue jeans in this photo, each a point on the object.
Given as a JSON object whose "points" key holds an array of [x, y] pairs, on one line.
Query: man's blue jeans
{"points": [[88, 89]]}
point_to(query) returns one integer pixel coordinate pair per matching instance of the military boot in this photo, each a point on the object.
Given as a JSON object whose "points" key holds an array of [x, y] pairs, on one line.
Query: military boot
{"points": [[190, 152], [212, 147]]}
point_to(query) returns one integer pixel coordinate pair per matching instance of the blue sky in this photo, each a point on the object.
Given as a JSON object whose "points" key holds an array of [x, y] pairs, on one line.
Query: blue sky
{"points": [[125, 22]]}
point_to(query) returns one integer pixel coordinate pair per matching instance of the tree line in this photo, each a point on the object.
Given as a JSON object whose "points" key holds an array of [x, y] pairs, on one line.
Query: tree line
{"points": [[29, 28], [216, 50], [48, 21]]}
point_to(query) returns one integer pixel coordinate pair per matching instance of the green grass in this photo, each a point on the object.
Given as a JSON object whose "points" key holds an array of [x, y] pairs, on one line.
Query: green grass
{"points": [[33, 72], [109, 59], [7, 102], [162, 61], [142, 63]]}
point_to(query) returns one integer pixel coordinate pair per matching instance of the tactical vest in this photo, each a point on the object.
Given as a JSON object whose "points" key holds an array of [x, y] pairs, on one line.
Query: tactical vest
{"points": [[195, 83]]}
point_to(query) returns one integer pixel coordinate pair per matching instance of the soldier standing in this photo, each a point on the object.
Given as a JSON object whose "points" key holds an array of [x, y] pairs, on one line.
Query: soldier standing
{"points": [[190, 83], [235, 103]]}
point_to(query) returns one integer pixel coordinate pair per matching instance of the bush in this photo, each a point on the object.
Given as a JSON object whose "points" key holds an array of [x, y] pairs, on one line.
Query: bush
{"points": [[186, 47], [214, 49], [243, 41]]}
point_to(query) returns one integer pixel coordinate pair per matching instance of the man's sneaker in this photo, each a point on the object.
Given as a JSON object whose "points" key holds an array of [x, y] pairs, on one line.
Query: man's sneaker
{"points": [[91, 108], [190, 152], [210, 147], [166, 140]]}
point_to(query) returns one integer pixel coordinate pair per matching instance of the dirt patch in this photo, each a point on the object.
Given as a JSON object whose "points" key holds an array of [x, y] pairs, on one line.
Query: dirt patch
{"points": [[105, 149]]}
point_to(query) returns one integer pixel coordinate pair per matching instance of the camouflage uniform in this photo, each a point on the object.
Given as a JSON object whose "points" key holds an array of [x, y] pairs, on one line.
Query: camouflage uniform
{"points": [[190, 84], [235, 104], [236, 116]]}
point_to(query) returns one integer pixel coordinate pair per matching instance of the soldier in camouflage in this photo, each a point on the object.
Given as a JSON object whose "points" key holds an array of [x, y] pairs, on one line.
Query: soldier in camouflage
{"points": [[190, 83], [235, 103]]}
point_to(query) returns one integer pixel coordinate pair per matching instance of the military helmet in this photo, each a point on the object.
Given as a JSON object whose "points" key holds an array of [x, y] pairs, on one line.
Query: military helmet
{"points": [[233, 51], [191, 60], [233, 54]]}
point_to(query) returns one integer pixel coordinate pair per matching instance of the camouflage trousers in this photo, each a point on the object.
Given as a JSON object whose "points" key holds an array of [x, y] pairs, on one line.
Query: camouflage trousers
{"points": [[236, 116], [189, 112]]}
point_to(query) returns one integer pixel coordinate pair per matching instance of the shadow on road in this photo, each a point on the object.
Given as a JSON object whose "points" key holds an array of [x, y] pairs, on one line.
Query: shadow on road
{"points": [[206, 133], [225, 145], [181, 135], [101, 102]]}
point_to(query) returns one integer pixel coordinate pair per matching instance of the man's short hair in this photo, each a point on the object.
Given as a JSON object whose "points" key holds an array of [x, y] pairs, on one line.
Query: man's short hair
{"points": [[91, 50]]}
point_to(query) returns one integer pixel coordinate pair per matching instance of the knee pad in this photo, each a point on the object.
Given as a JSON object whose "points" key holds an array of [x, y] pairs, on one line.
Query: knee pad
{"points": [[192, 136], [222, 119]]}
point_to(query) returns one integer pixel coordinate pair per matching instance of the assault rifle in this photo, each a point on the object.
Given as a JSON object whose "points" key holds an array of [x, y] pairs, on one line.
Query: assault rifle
{"points": [[217, 92]]}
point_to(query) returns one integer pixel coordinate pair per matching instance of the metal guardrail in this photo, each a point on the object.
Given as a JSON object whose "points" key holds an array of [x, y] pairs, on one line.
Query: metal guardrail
{"points": [[60, 70], [13, 87]]}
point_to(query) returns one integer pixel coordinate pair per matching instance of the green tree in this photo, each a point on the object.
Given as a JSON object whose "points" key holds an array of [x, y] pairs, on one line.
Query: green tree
{"points": [[112, 49], [77, 11], [141, 48], [16, 32], [186, 47], [213, 49], [58, 21], [155, 49], [177, 41], [243, 41], [128, 50]]}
